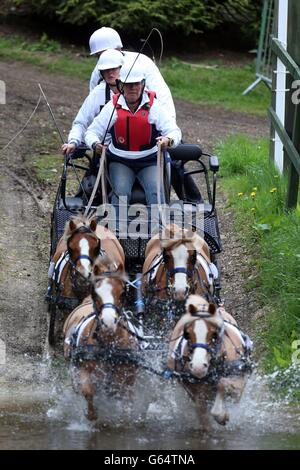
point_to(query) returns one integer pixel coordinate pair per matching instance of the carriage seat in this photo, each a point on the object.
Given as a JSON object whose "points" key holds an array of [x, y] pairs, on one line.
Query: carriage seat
{"points": [[73, 203], [185, 152]]}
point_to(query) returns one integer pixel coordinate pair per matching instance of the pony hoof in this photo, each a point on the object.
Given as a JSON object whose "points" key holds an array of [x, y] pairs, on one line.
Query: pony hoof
{"points": [[222, 419], [92, 416]]}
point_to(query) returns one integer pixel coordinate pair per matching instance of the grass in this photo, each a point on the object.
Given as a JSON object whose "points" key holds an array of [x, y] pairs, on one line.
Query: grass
{"points": [[257, 194], [221, 86], [46, 167], [48, 170], [217, 86], [47, 54]]}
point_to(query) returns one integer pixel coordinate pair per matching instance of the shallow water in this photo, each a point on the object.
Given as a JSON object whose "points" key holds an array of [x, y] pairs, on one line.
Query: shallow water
{"points": [[40, 410]]}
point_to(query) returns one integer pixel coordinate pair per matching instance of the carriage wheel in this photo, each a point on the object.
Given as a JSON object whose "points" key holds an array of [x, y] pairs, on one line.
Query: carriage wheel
{"points": [[51, 331]]}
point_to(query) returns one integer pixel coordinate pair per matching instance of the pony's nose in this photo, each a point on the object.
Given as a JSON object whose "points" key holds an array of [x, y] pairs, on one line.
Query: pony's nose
{"points": [[180, 294], [85, 271], [199, 370]]}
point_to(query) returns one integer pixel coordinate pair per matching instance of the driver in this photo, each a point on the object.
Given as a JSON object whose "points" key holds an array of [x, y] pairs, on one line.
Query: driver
{"points": [[137, 122]]}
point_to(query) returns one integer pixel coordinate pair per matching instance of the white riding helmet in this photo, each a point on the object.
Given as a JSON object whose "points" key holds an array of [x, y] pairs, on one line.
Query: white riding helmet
{"points": [[110, 59], [104, 38], [132, 72]]}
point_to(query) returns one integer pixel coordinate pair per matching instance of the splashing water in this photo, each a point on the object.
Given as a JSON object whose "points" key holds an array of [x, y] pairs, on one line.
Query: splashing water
{"points": [[42, 410]]}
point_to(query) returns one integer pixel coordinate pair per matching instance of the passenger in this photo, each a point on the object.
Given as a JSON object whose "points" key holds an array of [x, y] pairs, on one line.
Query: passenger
{"points": [[108, 38], [137, 121], [109, 67]]}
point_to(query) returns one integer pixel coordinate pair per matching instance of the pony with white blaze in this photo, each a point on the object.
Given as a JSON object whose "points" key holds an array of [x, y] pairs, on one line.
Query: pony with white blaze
{"points": [[71, 265], [208, 346], [178, 263], [99, 338]]}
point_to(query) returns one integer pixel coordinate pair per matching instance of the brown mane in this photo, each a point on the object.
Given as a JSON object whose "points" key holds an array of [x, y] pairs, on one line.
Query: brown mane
{"points": [[105, 264]]}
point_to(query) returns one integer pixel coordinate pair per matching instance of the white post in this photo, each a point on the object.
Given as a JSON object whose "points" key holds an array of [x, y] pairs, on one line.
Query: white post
{"points": [[281, 79]]}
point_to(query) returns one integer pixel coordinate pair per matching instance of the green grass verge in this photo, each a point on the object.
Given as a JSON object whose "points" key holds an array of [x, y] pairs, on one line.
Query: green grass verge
{"points": [[217, 85], [221, 86], [257, 194]]}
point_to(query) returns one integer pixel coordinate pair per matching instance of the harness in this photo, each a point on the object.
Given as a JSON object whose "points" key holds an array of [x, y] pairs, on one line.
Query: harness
{"points": [[133, 132], [218, 366], [80, 284], [107, 95], [192, 274]]}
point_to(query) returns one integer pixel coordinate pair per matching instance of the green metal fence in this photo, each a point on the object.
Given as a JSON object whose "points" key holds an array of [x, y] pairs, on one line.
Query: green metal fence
{"points": [[291, 143], [263, 70]]}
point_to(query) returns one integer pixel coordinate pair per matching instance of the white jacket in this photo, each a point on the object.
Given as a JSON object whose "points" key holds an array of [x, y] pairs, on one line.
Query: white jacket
{"points": [[158, 116], [90, 108], [154, 80]]}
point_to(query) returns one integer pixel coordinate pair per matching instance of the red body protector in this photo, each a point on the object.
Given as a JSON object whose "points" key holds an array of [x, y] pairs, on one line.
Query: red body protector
{"points": [[133, 132]]}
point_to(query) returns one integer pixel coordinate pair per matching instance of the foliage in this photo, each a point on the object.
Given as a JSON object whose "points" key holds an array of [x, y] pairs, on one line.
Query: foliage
{"points": [[44, 44], [136, 16], [257, 193]]}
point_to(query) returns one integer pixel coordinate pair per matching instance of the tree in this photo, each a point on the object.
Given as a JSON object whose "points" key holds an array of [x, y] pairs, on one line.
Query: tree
{"points": [[137, 16]]}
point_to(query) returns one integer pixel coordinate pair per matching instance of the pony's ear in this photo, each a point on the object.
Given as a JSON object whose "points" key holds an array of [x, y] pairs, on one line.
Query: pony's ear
{"points": [[96, 270], [192, 309], [93, 224], [212, 308], [119, 268], [72, 225]]}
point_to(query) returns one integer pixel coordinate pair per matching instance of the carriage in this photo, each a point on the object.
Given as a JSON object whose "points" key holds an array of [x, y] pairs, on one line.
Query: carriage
{"points": [[129, 347], [189, 160], [78, 177]]}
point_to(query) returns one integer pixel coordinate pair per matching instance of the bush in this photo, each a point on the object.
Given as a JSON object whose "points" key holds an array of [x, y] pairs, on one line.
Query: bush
{"points": [[137, 16]]}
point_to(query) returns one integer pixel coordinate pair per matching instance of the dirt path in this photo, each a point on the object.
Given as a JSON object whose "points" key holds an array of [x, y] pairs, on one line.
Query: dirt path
{"points": [[24, 240]]}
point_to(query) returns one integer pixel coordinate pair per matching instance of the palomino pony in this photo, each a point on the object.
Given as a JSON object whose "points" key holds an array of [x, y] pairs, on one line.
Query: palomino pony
{"points": [[178, 263], [71, 265], [99, 339], [207, 345]]}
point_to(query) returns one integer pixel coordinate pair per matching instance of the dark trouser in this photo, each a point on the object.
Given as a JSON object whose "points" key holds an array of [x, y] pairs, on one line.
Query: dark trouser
{"points": [[191, 190]]}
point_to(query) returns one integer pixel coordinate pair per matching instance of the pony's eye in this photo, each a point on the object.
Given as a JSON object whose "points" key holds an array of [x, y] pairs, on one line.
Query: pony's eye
{"points": [[97, 250], [166, 259], [185, 334], [214, 337]]}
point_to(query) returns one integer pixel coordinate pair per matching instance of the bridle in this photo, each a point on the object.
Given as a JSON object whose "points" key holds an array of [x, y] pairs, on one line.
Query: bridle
{"points": [[190, 273], [98, 310], [82, 229], [212, 350], [78, 280]]}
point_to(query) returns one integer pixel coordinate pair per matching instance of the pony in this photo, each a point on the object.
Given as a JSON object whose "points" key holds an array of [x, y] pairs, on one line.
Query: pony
{"points": [[71, 265], [207, 347], [178, 263], [99, 339]]}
